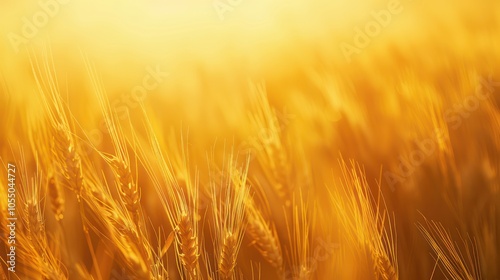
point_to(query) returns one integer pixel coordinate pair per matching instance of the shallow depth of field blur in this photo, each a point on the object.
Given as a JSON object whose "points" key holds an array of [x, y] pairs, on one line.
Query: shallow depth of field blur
{"points": [[238, 139]]}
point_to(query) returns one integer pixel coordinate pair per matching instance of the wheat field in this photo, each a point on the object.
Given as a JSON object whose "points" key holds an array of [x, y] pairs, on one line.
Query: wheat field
{"points": [[237, 139]]}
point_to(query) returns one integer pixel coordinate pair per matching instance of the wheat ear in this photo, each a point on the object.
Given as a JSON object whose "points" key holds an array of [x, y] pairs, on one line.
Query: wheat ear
{"points": [[63, 143], [120, 161], [265, 237], [56, 198], [230, 215], [179, 199], [129, 191], [188, 243], [33, 220], [116, 224], [366, 220], [65, 151], [228, 255], [382, 265]]}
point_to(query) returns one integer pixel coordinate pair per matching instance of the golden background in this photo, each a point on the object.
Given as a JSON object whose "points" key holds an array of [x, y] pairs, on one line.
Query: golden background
{"points": [[240, 139]]}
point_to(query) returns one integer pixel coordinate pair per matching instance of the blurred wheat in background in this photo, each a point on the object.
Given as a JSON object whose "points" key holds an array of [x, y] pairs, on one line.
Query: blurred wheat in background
{"points": [[163, 139]]}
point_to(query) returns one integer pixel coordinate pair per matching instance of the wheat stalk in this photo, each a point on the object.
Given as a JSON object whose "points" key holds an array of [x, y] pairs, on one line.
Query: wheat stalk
{"points": [[456, 264], [299, 230], [229, 214], [179, 199], [270, 150], [130, 193], [117, 225], [36, 246], [120, 161], [63, 146], [365, 220]]}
